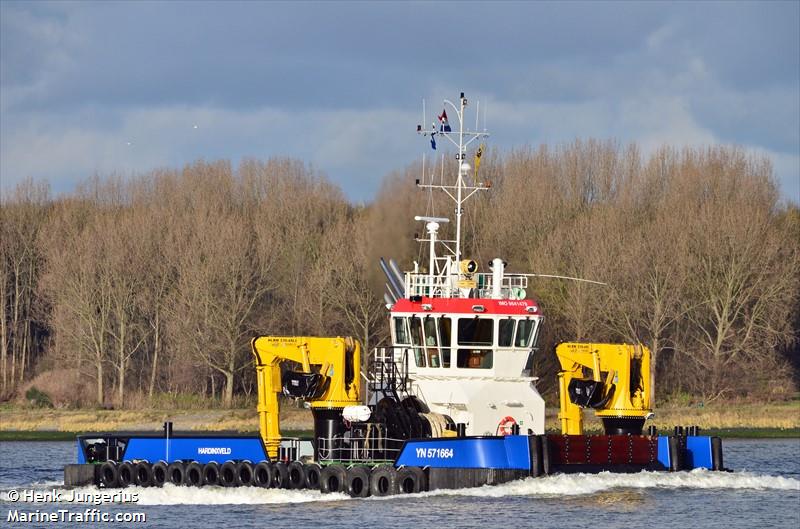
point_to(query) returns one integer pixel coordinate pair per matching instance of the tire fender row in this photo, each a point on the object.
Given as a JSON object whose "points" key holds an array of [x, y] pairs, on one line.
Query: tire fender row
{"points": [[357, 481]]}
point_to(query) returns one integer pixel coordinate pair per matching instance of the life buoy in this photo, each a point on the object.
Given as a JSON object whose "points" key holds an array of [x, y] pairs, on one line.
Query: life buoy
{"points": [[506, 425]]}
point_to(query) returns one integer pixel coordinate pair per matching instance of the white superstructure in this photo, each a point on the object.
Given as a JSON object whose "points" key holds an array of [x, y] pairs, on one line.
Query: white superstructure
{"points": [[465, 340]]}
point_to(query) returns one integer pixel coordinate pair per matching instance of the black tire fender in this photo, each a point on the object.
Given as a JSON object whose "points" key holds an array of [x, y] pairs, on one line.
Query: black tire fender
{"points": [[143, 474], [176, 473], [297, 475], [126, 473], [262, 475], [333, 479], [312, 472], [383, 481], [211, 473], [194, 474], [410, 480], [229, 474], [357, 481], [280, 475], [245, 473], [109, 474], [159, 473]]}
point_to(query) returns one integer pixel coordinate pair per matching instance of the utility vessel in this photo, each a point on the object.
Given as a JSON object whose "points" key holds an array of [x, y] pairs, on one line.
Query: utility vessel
{"points": [[451, 402]]}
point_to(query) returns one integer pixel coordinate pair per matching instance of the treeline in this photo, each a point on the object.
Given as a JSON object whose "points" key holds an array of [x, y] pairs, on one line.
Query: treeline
{"points": [[128, 291]]}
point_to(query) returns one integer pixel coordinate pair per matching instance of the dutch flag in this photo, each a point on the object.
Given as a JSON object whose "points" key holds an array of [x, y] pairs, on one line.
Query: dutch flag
{"points": [[444, 125]]}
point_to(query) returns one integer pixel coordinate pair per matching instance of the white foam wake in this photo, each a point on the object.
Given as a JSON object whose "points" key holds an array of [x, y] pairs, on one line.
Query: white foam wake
{"points": [[564, 485], [172, 495], [583, 484]]}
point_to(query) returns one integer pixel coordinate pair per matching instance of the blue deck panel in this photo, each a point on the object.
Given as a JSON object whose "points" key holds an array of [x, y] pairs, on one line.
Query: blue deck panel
{"points": [[663, 451], [698, 453], [200, 449], [510, 452]]}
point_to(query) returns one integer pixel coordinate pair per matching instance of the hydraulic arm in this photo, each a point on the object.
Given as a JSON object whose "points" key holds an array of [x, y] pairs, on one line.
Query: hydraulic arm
{"points": [[328, 378], [612, 379]]}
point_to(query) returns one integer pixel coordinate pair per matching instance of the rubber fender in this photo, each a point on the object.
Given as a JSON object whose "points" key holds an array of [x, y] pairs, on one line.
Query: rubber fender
{"points": [[159, 473], [427, 429], [245, 473], [262, 475], [409, 480], [176, 473], [716, 454], [357, 482], [312, 472], [126, 472], [675, 454], [229, 474], [194, 474], [415, 404], [143, 474], [547, 462], [280, 475], [109, 474], [297, 475], [383, 481], [211, 473], [535, 453], [450, 424], [333, 479]]}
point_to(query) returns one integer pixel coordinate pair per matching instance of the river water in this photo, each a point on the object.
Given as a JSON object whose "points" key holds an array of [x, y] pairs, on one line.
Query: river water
{"points": [[763, 491]]}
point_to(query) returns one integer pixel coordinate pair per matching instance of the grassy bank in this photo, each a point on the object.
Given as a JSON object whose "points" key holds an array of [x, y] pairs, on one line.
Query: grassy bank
{"points": [[745, 420]]}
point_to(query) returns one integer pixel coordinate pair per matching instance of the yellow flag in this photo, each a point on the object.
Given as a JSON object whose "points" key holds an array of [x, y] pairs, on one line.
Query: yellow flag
{"points": [[477, 163]]}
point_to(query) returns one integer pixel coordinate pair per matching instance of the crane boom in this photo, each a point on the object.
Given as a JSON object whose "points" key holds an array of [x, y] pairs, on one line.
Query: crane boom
{"points": [[612, 379], [329, 377]]}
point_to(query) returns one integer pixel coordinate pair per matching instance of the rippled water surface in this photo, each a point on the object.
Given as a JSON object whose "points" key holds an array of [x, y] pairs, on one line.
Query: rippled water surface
{"points": [[763, 491]]}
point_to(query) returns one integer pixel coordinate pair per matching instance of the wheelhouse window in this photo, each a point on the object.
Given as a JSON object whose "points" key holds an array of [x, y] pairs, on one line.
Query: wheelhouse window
{"points": [[432, 353], [506, 333], [525, 330], [416, 339], [475, 331], [475, 358], [401, 332], [445, 332]]}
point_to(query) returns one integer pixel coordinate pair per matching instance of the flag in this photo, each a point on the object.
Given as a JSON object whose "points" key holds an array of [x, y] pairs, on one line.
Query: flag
{"points": [[477, 161], [433, 140], [444, 125]]}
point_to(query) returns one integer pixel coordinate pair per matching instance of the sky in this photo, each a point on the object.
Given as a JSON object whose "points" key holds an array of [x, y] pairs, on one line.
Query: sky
{"points": [[125, 87]]}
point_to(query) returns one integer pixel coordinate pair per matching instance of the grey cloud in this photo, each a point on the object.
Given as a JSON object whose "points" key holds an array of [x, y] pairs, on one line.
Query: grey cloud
{"points": [[322, 81]]}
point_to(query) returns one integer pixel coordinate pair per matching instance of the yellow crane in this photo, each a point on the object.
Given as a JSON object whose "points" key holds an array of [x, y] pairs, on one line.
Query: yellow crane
{"points": [[329, 379], [612, 379]]}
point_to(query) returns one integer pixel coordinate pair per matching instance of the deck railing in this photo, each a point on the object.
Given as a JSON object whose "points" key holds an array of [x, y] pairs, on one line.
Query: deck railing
{"points": [[372, 448], [450, 286]]}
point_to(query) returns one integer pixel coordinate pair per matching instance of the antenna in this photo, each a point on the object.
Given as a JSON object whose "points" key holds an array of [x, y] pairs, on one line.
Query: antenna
{"points": [[460, 136]]}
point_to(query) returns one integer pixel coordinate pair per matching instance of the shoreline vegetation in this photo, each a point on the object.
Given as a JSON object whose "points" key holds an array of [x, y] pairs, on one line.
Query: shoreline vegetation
{"points": [[775, 420], [135, 292]]}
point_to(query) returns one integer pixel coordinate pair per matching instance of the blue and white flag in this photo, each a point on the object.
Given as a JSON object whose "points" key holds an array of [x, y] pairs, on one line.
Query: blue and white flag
{"points": [[433, 140], [444, 125]]}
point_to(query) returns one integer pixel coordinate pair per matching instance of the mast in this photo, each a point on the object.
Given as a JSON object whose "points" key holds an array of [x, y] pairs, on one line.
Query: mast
{"points": [[459, 190]]}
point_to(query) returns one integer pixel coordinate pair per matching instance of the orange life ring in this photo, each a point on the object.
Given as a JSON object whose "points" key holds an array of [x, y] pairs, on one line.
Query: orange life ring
{"points": [[505, 427]]}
